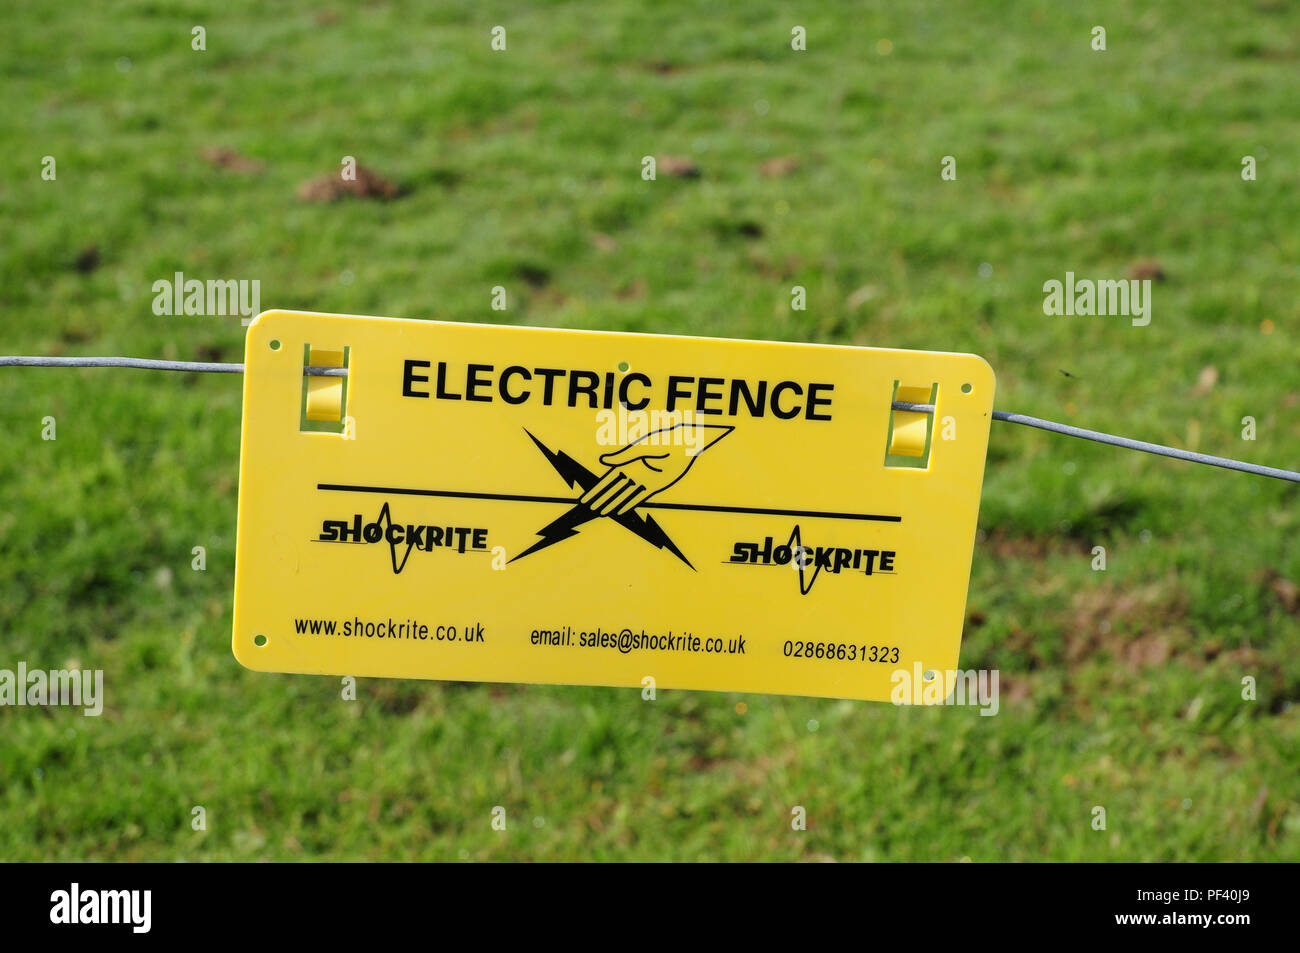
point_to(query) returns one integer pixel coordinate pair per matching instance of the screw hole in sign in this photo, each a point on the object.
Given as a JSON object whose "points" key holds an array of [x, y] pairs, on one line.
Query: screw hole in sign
{"points": [[275, 345], [966, 388], [259, 640], [623, 367]]}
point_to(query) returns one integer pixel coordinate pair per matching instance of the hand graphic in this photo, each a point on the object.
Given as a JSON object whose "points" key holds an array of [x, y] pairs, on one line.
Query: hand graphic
{"points": [[648, 466]]}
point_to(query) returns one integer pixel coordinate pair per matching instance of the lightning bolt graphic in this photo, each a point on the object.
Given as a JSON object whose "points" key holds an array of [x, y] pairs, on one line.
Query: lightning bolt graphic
{"points": [[796, 546], [385, 520], [566, 525]]}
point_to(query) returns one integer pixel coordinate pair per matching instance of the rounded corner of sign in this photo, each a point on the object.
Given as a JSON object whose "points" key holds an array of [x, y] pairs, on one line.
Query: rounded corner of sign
{"points": [[246, 654], [984, 379], [262, 322], [985, 367], [260, 319]]}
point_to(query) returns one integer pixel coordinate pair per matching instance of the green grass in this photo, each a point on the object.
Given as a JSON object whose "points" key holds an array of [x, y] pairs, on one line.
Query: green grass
{"points": [[1120, 689]]}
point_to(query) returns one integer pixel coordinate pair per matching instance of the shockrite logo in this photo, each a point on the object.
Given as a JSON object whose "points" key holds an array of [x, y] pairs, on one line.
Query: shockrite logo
{"points": [[382, 529], [811, 561]]}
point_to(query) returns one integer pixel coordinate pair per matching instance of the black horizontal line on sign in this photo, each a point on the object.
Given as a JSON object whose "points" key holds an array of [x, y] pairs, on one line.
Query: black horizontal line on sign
{"points": [[523, 498]]}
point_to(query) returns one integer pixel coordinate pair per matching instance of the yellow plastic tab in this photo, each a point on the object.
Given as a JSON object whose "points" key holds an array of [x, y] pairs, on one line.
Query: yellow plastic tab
{"points": [[580, 507], [324, 394], [910, 431], [911, 428]]}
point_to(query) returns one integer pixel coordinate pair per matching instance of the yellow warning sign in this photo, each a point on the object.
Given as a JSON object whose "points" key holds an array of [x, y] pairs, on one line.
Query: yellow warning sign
{"points": [[486, 503]]}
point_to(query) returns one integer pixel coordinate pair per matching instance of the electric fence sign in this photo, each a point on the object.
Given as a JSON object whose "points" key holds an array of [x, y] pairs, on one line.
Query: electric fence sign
{"points": [[490, 503]]}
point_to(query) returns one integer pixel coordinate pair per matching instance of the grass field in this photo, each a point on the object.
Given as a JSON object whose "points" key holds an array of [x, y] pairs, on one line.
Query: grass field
{"points": [[821, 168]]}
